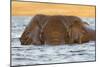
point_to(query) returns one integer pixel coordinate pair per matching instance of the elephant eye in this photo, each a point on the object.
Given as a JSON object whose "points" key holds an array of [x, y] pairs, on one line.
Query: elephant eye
{"points": [[76, 21]]}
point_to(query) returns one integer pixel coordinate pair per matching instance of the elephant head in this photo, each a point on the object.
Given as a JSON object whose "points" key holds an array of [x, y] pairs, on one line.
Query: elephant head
{"points": [[31, 34]]}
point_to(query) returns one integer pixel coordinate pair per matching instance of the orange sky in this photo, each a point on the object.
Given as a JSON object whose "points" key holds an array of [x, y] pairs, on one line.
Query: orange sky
{"points": [[33, 8]]}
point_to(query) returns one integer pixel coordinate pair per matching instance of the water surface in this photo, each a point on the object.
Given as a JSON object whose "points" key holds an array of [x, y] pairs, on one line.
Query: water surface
{"points": [[46, 54]]}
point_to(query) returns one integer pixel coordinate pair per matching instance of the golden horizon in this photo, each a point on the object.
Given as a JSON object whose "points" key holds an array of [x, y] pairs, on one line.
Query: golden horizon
{"points": [[33, 8]]}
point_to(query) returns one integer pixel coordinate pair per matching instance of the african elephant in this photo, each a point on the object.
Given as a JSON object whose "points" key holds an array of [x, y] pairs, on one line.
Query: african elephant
{"points": [[56, 30]]}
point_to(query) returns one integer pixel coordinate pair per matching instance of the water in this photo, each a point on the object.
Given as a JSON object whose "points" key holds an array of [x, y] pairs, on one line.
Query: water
{"points": [[30, 55]]}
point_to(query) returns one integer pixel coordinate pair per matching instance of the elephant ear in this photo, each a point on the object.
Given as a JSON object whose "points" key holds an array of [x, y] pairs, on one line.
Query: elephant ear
{"points": [[31, 34], [71, 21], [77, 30]]}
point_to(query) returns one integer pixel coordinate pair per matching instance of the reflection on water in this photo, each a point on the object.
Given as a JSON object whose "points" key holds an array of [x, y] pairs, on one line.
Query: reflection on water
{"points": [[28, 55]]}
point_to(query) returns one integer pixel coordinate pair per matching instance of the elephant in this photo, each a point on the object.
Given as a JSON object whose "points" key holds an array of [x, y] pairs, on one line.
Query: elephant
{"points": [[56, 30]]}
